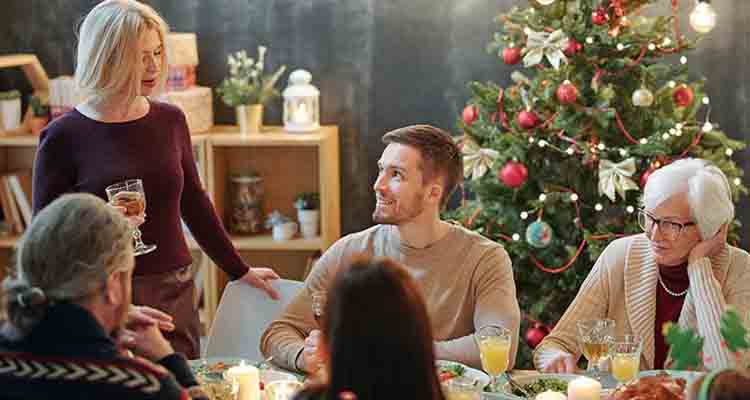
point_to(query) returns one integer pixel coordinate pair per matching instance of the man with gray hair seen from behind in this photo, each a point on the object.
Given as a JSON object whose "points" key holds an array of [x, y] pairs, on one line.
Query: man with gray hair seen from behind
{"points": [[465, 278], [68, 303], [679, 270]]}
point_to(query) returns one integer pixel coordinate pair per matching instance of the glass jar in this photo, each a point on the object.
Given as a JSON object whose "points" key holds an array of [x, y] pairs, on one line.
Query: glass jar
{"points": [[246, 215]]}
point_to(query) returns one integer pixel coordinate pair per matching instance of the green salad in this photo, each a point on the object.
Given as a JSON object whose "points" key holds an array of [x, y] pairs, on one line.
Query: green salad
{"points": [[542, 385]]}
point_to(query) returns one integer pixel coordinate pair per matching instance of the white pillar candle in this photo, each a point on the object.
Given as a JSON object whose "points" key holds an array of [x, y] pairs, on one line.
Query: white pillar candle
{"points": [[550, 395], [248, 380], [584, 388], [301, 116]]}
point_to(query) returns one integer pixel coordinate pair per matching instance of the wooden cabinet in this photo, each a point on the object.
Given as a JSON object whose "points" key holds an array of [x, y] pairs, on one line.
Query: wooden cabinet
{"points": [[289, 164]]}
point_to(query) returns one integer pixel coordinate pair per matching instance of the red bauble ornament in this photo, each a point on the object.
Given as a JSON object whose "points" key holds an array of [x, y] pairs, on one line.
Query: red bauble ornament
{"points": [[470, 114], [683, 96], [567, 93], [599, 16], [513, 174], [572, 48], [527, 119], [536, 334], [511, 55]]}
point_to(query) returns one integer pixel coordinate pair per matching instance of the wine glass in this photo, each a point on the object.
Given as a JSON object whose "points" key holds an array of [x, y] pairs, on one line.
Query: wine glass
{"points": [[318, 305], [595, 337], [494, 350], [461, 388], [129, 194], [626, 357]]}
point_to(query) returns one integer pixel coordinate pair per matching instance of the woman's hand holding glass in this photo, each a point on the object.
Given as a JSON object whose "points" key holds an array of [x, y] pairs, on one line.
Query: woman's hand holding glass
{"points": [[129, 197]]}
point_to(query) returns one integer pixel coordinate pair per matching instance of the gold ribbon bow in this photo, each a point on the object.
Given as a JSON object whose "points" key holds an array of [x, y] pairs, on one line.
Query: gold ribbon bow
{"points": [[477, 161], [615, 177], [543, 44]]}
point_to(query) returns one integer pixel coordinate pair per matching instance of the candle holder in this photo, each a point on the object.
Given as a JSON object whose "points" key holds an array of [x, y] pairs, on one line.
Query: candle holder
{"points": [[301, 103]]}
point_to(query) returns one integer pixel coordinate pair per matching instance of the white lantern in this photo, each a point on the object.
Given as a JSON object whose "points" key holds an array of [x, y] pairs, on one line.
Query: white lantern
{"points": [[301, 106]]}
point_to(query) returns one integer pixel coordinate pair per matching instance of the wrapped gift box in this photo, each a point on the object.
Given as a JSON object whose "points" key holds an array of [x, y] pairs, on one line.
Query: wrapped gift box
{"points": [[182, 58], [196, 102]]}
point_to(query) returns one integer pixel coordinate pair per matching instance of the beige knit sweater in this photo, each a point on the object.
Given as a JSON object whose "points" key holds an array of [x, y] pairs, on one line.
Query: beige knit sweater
{"points": [[466, 281], [622, 286]]}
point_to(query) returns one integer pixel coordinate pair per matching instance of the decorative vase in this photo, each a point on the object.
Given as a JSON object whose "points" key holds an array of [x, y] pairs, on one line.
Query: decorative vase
{"points": [[308, 223], [10, 111], [250, 118]]}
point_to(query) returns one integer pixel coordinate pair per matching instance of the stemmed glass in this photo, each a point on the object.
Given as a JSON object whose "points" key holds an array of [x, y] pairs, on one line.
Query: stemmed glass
{"points": [[494, 350], [461, 388], [129, 194], [595, 337], [626, 357]]}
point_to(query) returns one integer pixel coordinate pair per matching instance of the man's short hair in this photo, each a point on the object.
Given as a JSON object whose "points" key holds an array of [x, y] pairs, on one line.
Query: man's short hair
{"points": [[441, 157]]}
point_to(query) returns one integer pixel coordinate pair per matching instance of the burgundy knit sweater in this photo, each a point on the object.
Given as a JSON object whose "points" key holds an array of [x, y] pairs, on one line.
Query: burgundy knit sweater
{"points": [[78, 154]]}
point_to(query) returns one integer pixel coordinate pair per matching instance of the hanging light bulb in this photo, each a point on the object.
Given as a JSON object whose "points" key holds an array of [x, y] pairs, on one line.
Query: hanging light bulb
{"points": [[545, 2], [703, 17]]}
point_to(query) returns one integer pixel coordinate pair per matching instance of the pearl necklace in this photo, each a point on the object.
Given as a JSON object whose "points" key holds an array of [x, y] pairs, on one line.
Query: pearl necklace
{"points": [[675, 294]]}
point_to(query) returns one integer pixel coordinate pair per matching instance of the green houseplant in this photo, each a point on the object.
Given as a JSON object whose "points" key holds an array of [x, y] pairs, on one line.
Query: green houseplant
{"points": [[40, 113]]}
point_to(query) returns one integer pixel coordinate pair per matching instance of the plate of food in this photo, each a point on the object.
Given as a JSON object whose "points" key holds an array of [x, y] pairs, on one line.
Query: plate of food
{"points": [[212, 369], [534, 384], [658, 385], [448, 370]]}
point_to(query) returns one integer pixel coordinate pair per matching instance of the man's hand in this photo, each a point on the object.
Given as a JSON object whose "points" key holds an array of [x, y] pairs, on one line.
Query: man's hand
{"points": [[260, 278], [145, 315], [310, 360], [148, 342], [710, 247], [564, 363]]}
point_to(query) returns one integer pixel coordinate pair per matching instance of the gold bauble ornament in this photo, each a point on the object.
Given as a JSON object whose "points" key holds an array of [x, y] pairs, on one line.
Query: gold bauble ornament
{"points": [[643, 98]]}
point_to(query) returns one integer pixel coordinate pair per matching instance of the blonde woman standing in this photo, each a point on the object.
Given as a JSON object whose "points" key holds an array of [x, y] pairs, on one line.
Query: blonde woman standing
{"points": [[118, 133]]}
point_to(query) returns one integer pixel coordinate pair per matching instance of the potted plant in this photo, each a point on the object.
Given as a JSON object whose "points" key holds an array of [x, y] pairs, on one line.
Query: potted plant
{"points": [[40, 113], [308, 213], [10, 109], [282, 227], [247, 88]]}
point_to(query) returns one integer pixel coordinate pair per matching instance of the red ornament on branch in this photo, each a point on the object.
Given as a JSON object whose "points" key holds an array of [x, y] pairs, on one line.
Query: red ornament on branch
{"points": [[567, 93], [536, 334], [572, 48], [513, 174], [683, 96], [527, 119], [599, 16], [470, 114], [511, 55]]}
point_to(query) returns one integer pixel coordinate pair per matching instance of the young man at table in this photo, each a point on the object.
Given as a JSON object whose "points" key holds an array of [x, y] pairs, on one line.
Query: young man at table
{"points": [[466, 279]]}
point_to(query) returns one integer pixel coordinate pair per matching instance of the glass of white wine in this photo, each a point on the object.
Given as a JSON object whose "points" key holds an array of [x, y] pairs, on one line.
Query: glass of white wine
{"points": [[494, 344], [595, 336], [129, 195], [626, 357]]}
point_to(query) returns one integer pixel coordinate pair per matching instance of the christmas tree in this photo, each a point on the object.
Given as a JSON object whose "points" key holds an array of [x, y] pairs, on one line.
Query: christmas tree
{"points": [[556, 162]]}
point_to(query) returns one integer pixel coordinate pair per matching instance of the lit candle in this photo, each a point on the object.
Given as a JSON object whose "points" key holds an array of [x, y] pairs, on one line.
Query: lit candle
{"points": [[584, 388], [247, 377], [300, 115], [550, 395]]}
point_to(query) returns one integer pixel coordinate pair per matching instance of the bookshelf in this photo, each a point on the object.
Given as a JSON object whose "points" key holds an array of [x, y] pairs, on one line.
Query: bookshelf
{"points": [[289, 164]]}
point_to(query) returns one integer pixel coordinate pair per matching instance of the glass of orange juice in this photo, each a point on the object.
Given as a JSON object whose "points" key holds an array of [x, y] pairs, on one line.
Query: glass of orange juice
{"points": [[625, 352], [494, 344]]}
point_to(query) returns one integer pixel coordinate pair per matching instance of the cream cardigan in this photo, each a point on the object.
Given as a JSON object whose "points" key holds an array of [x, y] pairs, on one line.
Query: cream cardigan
{"points": [[622, 286]]}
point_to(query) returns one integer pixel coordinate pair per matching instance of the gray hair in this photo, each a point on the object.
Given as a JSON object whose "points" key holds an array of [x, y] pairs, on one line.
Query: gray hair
{"points": [[66, 255], [708, 192]]}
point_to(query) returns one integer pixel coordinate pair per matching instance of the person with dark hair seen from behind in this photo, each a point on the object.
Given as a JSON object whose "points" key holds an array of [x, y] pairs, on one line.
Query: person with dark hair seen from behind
{"points": [[119, 133], [367, 354], [721, 384], [465, 279], [68, 300]]}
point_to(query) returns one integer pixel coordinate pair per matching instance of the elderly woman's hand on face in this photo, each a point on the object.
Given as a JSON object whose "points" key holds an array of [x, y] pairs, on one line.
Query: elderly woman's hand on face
{"points": [[710, 247]]}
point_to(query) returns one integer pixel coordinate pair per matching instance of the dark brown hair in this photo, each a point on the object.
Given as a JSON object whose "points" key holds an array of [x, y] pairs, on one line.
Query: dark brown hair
{"points": [[441, 157], [726, 385], [378, 335]]}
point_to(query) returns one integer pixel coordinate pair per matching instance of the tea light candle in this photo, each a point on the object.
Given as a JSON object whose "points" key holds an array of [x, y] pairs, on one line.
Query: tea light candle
{"points": [[301, 116], [550, 395], [584, 388], [248, 379]]}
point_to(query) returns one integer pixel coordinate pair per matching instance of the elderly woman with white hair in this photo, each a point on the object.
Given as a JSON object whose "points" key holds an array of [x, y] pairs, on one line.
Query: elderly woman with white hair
{"points": [[679, 270]]}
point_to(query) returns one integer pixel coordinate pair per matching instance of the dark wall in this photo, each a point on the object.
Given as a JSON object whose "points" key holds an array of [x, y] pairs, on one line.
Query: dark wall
{"points": [[380, 64]]}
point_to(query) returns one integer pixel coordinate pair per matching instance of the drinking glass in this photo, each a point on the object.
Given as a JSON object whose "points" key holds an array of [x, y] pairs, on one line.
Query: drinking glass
{"points": [[461, 388], [626, 357], [318, 305], [494, 350], [129, 194], [595, 337]]}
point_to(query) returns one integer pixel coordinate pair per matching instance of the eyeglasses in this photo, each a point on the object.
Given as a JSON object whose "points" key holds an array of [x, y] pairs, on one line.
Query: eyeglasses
{"points": [[670, 229]]}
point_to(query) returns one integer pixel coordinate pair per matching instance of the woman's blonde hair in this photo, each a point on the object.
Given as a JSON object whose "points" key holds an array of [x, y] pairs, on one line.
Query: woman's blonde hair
{"points": [[108, 54]]}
